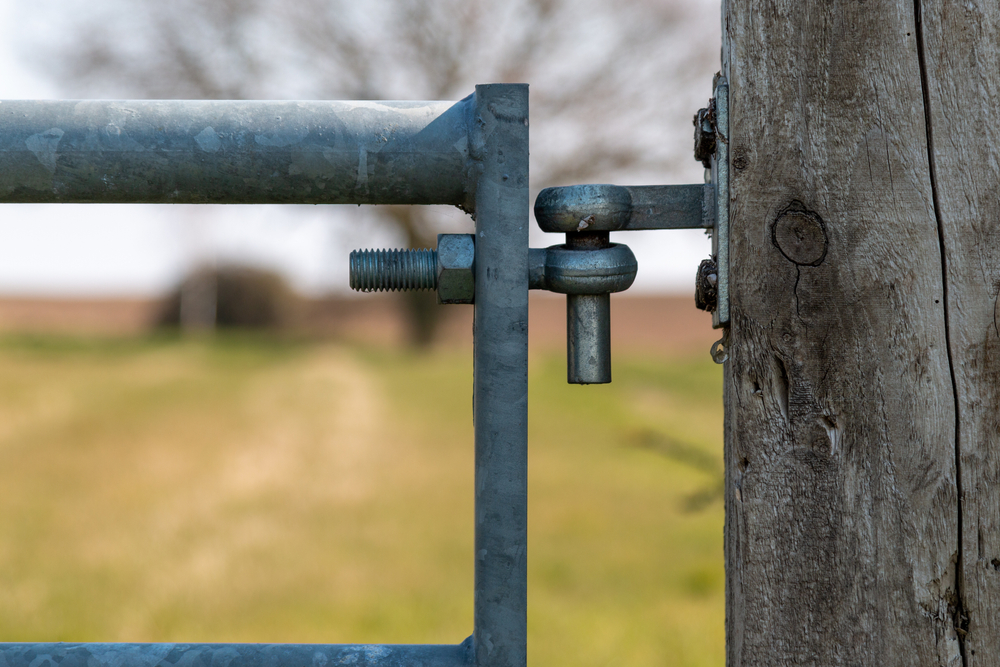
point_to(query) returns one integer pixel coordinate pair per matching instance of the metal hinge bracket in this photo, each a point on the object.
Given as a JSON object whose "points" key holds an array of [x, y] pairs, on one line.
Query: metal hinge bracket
{"points": [[586, 210], [588, 267], [719, 166]]}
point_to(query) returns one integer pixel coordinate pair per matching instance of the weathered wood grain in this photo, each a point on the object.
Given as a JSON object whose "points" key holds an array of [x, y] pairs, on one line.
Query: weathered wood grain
{"points": [[961, 54], [842, 509]]}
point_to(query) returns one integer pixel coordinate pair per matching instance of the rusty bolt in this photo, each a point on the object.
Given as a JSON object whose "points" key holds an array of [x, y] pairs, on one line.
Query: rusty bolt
{"points": [[706, 288], [704, 134]]}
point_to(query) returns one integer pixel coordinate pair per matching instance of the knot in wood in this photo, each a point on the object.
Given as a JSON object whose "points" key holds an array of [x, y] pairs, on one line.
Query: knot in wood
{"points": [[800, 236]]}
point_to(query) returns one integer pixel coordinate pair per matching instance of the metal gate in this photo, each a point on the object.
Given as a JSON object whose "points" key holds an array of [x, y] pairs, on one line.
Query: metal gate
{"points": [[472, 154]]}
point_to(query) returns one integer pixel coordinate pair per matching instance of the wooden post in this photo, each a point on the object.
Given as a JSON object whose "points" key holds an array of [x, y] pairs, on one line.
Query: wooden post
{"points": [[863, 382]]}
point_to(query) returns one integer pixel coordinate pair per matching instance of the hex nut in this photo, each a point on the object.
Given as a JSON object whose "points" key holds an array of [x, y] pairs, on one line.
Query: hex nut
{"points": [[456, 256]]}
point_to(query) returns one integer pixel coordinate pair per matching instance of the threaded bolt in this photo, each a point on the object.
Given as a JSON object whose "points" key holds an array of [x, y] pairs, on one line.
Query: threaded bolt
{"points": [[391, 270]]}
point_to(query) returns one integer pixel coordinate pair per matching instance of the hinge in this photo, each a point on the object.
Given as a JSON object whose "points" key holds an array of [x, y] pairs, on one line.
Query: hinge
{"points": [[590, 210], [588, 268]]}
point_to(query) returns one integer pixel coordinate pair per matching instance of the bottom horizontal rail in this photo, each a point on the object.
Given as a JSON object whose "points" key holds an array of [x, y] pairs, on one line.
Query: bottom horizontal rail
{"points": [[235, 655]]}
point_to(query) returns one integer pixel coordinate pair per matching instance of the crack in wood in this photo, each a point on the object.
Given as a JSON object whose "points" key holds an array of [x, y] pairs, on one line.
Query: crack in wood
{"points": [[959, 614]]}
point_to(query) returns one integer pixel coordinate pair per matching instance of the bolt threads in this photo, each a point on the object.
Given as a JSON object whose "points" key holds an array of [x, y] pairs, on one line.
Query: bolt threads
{"points": [[391, 270]]}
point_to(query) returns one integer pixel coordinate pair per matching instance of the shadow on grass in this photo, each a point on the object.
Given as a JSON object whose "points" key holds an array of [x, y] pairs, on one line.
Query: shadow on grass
{"points": [[691, 456]]}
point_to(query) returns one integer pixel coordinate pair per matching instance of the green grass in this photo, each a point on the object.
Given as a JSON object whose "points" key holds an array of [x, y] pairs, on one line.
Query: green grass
{"points": [[246, 489]]}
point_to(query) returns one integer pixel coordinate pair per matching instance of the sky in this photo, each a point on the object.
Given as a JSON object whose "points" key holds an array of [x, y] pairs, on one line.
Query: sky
{"points": [[64, 250]]}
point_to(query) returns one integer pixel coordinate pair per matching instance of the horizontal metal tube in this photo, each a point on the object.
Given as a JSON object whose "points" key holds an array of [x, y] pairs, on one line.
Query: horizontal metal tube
{"points": [[235, 655], [236, 152]]}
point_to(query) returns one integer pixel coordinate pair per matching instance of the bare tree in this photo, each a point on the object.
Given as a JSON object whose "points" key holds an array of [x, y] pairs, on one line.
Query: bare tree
{"points": [[604, 74]]}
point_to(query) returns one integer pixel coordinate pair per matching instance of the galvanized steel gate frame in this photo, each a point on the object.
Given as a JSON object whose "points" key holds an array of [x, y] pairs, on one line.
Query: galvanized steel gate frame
{"points": [[472, 154]]}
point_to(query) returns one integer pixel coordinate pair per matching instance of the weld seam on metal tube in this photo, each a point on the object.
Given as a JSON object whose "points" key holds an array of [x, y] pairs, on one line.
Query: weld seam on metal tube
{"points": [[237, 152], [235, 655]]}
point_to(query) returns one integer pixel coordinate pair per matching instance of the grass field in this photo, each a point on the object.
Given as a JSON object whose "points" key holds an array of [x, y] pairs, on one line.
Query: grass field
{"points": [[246, 489]]}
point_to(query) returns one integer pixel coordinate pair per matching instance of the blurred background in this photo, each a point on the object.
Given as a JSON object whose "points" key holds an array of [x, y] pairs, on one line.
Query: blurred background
{"points": [[205, 437]]}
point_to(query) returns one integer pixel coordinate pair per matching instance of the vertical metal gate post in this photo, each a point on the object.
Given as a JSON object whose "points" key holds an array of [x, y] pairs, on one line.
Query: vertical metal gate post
{"points": [[500, 410]]}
